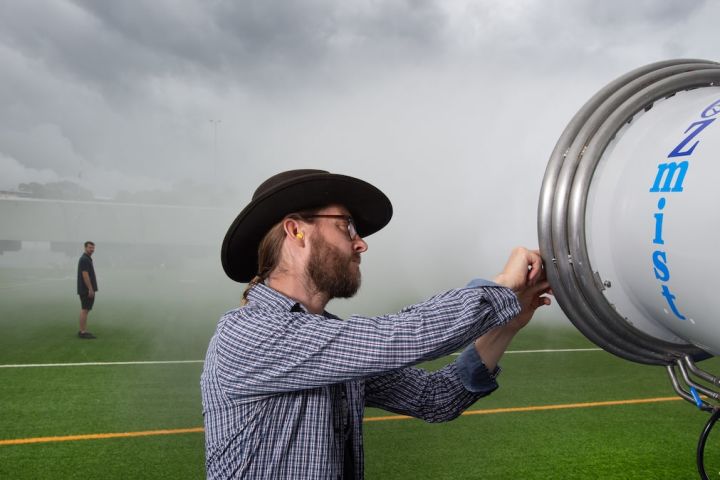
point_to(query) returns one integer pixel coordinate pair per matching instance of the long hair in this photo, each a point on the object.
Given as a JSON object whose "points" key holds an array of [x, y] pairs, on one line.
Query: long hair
{"points": [[268, 257], [269, 250]]}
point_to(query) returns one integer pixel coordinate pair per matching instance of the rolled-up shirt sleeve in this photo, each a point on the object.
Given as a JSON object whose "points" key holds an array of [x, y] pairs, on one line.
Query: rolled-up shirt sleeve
{"points": [[481, 282], [473, 373], [442, 395]]}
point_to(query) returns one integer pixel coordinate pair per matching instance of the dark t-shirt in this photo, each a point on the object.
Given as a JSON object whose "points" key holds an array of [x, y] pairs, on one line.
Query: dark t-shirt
{"points": [[85, 264]]}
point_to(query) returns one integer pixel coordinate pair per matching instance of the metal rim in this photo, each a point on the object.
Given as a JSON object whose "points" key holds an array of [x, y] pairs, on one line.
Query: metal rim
{"points": [[563, 197]]}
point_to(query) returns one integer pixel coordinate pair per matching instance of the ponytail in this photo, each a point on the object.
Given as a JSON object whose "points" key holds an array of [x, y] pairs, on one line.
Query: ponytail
{"points": [[268, 258], [256, 279]]}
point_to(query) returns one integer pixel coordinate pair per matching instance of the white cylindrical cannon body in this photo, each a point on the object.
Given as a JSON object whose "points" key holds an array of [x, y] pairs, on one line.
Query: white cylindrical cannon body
{"points": [[627, 217], [652, 223]]}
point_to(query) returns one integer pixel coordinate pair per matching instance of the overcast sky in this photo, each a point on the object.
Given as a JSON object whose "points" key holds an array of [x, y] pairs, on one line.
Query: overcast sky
{"points": [[450, 107]]}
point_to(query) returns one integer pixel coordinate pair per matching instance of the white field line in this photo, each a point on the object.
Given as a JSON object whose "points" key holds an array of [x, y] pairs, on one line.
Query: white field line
{"points": [[559, 350], [99, 364], [165, 362]]}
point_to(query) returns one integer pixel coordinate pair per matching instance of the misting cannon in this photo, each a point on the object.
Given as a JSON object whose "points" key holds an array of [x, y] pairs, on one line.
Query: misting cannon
{"points": [[629, 222]]}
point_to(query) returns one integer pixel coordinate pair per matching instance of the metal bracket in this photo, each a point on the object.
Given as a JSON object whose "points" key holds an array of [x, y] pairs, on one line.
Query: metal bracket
{"points": [[690, 389]]}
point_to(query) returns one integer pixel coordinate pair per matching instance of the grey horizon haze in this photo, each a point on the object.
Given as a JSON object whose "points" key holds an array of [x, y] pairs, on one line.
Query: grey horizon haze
{"points": [[450, 107]]}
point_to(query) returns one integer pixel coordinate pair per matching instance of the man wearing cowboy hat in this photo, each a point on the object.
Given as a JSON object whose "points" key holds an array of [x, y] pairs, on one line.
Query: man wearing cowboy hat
{"points": [[285, 383]]}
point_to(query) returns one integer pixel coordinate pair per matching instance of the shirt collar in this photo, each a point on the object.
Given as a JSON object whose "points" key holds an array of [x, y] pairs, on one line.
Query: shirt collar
{"points": [[266, 296]]}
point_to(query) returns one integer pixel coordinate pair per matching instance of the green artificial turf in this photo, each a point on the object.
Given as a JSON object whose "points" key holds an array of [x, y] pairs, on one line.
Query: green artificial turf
{"points": [[170, 315]]}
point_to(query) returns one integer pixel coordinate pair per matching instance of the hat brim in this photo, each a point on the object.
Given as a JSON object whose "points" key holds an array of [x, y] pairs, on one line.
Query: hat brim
{"points": [[370, 208]]}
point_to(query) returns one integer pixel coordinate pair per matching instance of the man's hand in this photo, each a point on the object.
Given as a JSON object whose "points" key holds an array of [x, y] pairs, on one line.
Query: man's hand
{"points": [[531, 298], [523, 268], [524, 275], [91, 293]]}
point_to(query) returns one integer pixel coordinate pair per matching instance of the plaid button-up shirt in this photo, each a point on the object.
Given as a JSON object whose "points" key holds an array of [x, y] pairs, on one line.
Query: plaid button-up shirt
{"points": [[284, 390]]}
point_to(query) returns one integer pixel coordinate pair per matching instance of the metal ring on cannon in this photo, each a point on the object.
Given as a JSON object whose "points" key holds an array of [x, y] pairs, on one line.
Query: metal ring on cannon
{"points": [[605, 299]]}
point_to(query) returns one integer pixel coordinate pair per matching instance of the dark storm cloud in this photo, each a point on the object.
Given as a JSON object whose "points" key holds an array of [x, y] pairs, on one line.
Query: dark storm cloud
{"points": [[73, 39], [117, 47], [129, 87], [117, 44], [243, 36], [655, 13]]}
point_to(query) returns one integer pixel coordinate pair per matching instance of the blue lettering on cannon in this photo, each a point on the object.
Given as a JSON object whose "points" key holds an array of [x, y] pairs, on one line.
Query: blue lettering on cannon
{"points": [[669, 179]]}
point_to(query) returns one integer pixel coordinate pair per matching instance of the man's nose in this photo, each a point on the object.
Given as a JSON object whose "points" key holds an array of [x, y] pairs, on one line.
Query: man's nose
{"points": [[359, 245]]}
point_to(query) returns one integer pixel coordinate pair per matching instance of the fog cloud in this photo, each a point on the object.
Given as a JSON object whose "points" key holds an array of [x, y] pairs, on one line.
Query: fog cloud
{"points": [[451, 107]]}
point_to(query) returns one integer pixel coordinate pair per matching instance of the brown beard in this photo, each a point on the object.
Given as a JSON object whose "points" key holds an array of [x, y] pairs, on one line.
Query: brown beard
{"points": [[331, 271]]}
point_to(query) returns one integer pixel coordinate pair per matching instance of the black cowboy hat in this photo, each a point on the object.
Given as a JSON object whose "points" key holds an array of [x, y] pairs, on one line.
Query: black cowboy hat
{"points": [[294, 191]]}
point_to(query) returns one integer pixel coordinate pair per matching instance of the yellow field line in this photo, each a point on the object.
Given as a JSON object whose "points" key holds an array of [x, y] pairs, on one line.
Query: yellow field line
{"points": [[98, 436], [536, 408]]}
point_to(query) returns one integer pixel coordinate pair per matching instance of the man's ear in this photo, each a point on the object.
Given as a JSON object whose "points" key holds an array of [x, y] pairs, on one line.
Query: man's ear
{"points": [[292, 228]]}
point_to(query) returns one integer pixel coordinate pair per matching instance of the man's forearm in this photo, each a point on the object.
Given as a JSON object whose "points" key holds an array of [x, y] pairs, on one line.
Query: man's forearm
{"points": [[88, 283], [491, 346]]}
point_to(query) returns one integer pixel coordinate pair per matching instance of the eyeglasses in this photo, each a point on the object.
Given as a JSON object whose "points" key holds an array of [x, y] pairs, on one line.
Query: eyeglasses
{"points": [[352, 231]]}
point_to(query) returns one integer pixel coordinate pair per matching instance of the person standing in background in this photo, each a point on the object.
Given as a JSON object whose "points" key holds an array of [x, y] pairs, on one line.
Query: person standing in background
{"points": [[86, 288]]}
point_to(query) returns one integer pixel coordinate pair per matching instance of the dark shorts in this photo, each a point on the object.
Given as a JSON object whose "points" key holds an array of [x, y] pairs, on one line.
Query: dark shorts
{"points": [[86, 302]]}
